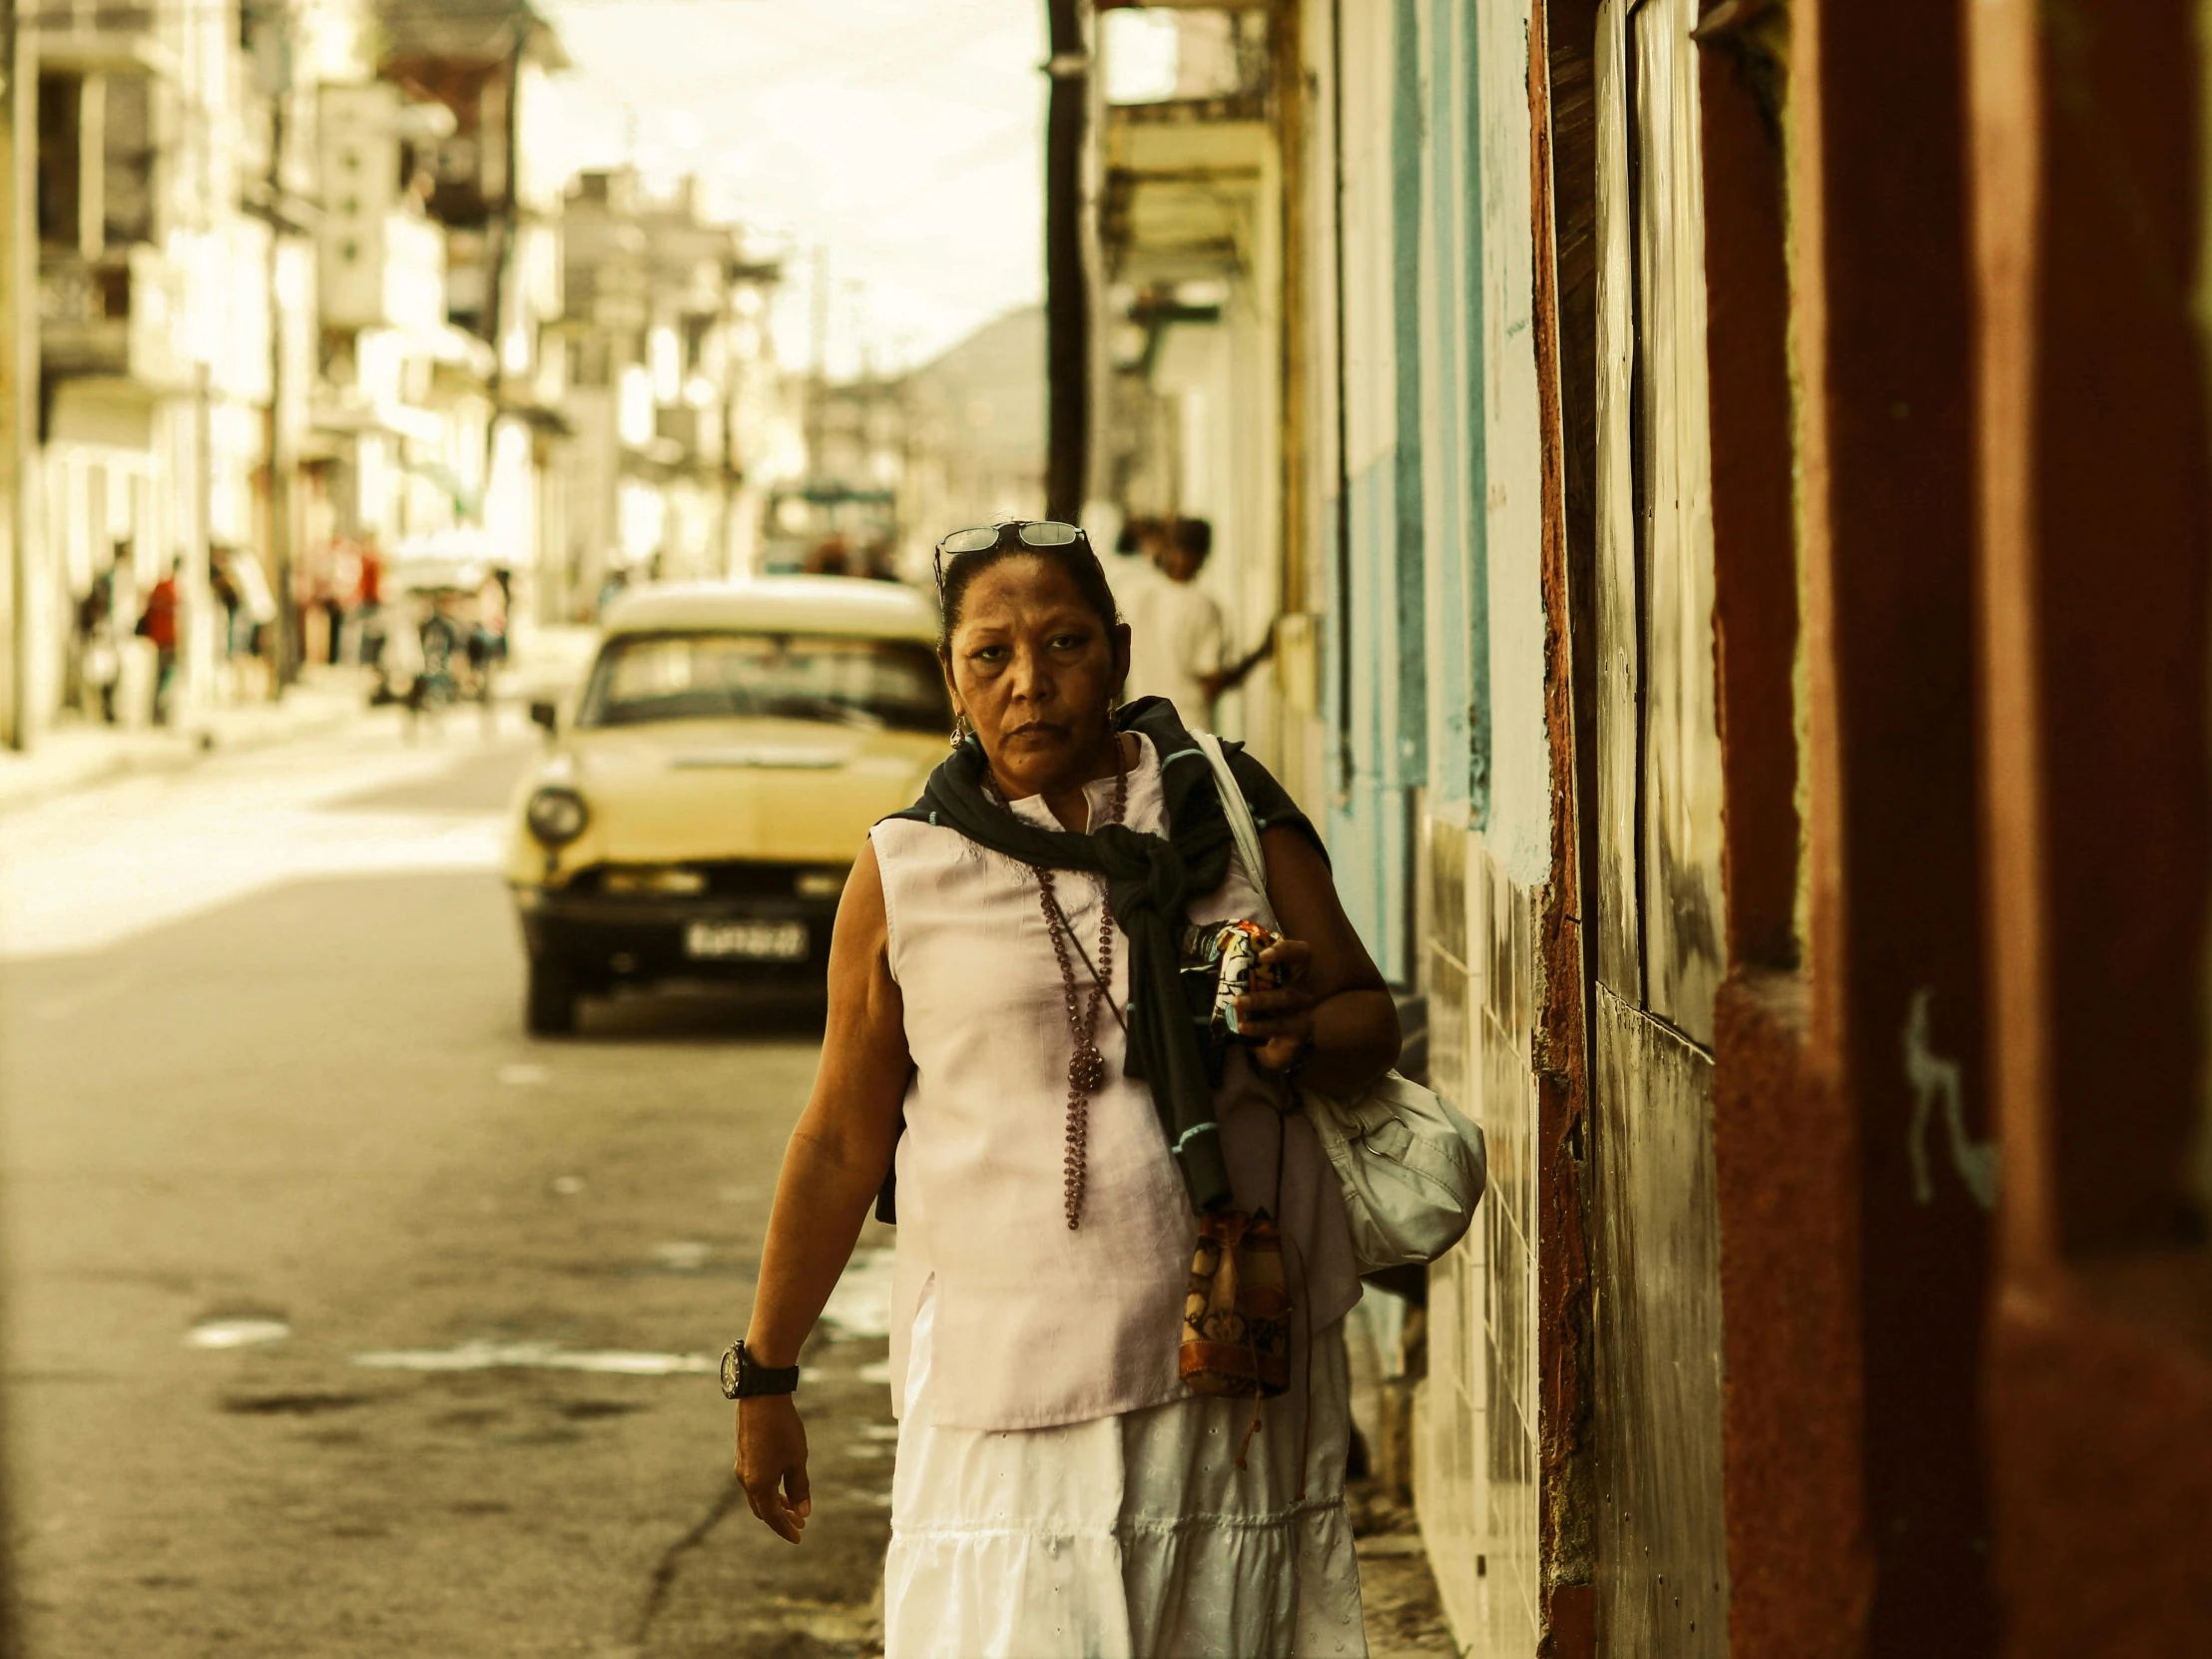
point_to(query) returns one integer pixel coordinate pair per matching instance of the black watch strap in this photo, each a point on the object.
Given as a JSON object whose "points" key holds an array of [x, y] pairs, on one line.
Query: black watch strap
{"points": [[743, 1376]]}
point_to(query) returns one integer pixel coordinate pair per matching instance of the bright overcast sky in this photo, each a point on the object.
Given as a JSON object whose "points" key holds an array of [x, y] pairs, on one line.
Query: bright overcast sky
{"points": [[903, 136]]}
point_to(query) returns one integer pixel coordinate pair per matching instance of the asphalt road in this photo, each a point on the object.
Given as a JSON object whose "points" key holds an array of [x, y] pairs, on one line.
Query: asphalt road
{"points": [[334, 1301]]}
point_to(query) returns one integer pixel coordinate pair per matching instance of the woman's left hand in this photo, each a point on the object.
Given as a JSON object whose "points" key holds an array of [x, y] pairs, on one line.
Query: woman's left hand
{"points": [[1280, 1023]]}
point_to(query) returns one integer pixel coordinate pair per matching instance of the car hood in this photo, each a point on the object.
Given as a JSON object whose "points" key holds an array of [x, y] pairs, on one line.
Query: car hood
{"points": [[773, 790]]}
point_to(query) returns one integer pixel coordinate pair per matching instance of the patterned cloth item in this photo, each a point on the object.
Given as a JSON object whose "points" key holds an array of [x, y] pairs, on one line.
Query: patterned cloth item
{"points": [[1237, 1318], [1224, 957]]}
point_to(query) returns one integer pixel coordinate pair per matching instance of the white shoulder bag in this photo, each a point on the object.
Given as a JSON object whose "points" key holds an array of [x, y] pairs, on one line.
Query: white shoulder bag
{"points": [[1412, 1168]]}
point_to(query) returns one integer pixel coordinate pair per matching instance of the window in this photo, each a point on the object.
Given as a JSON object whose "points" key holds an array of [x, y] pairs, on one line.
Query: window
{"points": [[719, 675], [61, 161], [126, 193]]}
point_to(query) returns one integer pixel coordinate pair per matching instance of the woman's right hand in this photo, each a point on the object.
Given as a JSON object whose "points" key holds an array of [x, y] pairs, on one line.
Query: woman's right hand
{"points": [[772, 1464]]}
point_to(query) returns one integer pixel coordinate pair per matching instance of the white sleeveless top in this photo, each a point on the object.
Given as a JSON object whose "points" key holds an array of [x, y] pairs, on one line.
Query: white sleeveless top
{"points": [[1034, 1323]]}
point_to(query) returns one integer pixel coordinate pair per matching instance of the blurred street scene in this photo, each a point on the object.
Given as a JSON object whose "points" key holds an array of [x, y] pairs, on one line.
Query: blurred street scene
{"points": [[1705, 503]]}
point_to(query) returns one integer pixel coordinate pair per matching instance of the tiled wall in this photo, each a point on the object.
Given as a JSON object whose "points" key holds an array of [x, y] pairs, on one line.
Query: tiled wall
{"points": [[1475, 1467]]}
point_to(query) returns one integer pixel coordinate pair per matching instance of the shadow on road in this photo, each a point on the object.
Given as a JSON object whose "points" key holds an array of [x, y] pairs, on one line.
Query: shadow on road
{"points": [[701, 1016]]}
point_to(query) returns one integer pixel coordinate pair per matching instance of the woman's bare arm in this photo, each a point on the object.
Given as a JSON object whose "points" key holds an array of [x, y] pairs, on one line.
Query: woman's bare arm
{"points": [[1338, 1001], [832, 1169]]}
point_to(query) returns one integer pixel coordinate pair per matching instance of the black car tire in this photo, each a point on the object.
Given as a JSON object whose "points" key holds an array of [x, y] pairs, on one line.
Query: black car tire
{"points": [[549, 1006]]}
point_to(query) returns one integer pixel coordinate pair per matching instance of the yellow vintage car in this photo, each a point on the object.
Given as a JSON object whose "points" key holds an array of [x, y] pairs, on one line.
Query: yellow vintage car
{"points": [[706, 788]]}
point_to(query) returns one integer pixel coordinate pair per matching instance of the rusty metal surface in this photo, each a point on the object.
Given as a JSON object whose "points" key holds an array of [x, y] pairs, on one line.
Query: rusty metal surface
{"points": [[1662, 1552], [1565, 341]]}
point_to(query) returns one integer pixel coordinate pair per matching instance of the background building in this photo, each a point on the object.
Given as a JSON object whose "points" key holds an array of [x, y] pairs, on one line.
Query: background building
{"points": [[673, 388], [490, 184]]}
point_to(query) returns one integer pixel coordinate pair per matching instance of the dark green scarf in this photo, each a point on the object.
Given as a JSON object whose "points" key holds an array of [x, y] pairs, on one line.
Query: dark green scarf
{"points": [[1149, 880]]}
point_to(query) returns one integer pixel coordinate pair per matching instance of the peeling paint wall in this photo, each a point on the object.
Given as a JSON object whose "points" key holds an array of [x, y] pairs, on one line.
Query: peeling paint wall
{"points": [[1488, 776], [1368, 614], [1511, 740], [1435, 686]]}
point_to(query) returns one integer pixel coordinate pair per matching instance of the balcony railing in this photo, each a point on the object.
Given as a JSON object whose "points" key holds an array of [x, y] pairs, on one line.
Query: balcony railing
{"points": [[116, 316], [94, 35]]}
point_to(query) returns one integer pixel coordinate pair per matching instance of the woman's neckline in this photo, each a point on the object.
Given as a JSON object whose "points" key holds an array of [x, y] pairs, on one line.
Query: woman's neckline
{"points": [[1135, 747]]}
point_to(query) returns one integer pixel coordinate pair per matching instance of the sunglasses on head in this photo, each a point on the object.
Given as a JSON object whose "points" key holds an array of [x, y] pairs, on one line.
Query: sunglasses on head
{"points": [[1015, 532]]}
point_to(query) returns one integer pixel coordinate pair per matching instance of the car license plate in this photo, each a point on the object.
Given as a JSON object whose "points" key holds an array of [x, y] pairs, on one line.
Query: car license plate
{"points": [[747, 942]]}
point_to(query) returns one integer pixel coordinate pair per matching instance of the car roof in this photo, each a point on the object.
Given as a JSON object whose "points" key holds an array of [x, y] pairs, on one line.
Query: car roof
{"points": [[777, 605]]}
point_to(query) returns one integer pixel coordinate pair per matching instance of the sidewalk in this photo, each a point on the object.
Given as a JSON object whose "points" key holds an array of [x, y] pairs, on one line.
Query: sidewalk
{"points": [[78, 754], [1398, 1588]]}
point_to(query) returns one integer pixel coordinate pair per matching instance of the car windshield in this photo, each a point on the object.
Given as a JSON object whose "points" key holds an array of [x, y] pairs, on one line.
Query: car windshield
{"points": [[710, 675]]}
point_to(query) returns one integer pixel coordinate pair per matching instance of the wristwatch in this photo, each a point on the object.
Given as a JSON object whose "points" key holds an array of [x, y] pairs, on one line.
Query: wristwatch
{"points": [[743, 1376]]}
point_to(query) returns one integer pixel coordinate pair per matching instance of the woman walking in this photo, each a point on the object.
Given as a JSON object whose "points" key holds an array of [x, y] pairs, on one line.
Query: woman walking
{"points": [[1007, 1015]]}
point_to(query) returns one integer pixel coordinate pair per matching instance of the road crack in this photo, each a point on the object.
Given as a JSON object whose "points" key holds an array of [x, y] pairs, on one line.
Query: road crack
{"points": [[663, 1581]]}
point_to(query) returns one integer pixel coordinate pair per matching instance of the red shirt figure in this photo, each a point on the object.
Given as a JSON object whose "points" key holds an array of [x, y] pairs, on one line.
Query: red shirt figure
{"points": [[158, 623]]}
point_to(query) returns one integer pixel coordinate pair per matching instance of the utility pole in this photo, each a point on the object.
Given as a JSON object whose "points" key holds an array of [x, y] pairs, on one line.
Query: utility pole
{"points": [[18, 378], [1067, 299], [18, 361], [272, 69], [504, 230]]}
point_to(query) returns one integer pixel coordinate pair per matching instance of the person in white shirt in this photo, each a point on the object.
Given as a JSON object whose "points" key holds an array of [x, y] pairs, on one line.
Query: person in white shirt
{"points": [[1134, 564], [1179, 642]]}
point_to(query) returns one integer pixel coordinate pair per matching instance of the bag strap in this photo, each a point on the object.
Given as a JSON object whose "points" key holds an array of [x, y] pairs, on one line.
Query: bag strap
{"points": [[1242, 828]]}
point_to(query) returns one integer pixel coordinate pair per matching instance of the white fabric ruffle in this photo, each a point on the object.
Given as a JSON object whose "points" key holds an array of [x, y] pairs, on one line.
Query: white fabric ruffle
{"points": [[1125, 1537]]}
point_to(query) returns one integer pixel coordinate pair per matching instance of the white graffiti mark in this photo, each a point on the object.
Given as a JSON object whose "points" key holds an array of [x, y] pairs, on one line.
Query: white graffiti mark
{"points": [[1931, 1076]]}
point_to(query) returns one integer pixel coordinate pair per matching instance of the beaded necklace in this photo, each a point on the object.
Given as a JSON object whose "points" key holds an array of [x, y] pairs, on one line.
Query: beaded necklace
{"points": [[1086, 1065]]}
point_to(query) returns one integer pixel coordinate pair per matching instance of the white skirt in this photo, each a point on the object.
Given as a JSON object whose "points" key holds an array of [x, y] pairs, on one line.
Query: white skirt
{"points": [[1126, 1538]]}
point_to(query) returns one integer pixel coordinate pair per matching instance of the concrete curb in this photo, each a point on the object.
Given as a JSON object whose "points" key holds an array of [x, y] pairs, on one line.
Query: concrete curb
{"points": [[87, 758]]}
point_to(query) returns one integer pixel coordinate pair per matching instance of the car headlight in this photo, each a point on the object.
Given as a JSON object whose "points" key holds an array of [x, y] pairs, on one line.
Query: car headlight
{"points": [[556, 815]]}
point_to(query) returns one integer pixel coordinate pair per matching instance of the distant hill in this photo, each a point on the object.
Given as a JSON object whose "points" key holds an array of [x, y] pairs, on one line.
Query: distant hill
{"points": [[975, 423], [989, 389]]}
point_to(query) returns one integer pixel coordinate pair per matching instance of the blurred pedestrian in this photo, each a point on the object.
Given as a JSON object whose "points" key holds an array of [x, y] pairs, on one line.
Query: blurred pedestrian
{"points": [[399, 662], [98, 651], [224, 592], [1134, 563], [368, 598], [157, 625], [877, 561], [486, 633], [831, 556], [342, 589], [612, 588], [1059, 1486], [443, 641], [1178, 641]]}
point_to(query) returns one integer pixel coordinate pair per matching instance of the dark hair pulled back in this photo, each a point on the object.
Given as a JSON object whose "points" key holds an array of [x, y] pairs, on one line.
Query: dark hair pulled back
{"points": [[1076, 559]]}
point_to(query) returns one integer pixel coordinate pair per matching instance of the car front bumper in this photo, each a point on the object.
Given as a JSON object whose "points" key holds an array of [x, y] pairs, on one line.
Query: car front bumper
{"points": [[635, 938]]}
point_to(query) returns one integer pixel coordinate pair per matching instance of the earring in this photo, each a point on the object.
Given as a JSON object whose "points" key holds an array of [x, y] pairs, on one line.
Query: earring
{"points": [[960, 731]]}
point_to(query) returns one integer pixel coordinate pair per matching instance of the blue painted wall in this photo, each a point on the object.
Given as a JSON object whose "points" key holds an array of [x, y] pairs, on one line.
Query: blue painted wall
{"points": [[1414, 713]]}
